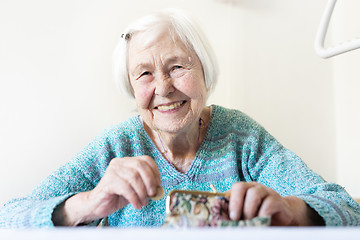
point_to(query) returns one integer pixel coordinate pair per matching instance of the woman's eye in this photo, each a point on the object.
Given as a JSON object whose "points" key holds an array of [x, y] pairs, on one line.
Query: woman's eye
{"points": [[144, 74], [177, 71], [176, 67]]}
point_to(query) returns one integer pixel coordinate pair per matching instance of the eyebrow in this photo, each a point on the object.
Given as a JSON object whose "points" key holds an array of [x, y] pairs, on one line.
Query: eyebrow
{"points": [[172, 60]]}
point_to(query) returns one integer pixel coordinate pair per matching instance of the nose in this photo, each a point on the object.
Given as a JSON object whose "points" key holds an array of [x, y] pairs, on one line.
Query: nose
{"points": [[164, 85]]}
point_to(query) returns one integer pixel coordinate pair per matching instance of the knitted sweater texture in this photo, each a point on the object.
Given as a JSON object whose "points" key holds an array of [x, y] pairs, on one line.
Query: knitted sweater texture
{"points": [[235, 148]]}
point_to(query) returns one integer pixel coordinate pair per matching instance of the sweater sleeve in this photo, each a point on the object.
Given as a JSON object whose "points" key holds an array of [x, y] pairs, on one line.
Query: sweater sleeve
{"points": [[78, 175], [274, 166]]}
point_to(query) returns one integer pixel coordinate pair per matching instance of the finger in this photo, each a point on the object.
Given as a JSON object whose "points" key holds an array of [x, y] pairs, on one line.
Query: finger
{"points": [[149, 177], [274, 207], [253, 200], [134, 179], [121, 177], [154, 167], [139, 173], [128, 192], [268, 208], [236, 202]]}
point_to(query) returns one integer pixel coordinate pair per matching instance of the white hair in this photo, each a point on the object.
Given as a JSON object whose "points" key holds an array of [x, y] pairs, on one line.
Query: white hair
{"points": [[179, 24]]}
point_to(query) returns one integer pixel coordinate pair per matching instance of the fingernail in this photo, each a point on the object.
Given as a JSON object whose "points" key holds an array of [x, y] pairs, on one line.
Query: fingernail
{"points": [[233, 216], [152, 191]]}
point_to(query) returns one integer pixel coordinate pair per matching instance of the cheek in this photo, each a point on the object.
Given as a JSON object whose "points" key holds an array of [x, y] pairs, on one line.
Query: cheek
{"points": [[193, 87], [143, 96]]}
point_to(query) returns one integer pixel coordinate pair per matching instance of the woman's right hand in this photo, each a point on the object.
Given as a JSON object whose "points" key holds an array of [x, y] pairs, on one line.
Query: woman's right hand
{"points": [[126, 180]]}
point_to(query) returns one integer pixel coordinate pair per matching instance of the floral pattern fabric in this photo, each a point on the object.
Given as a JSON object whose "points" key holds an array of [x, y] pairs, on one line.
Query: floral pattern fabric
{"points": [[202, 210]]}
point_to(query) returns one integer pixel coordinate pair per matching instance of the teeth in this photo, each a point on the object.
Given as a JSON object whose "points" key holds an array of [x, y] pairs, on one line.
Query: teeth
{"points": [[169, 107]]}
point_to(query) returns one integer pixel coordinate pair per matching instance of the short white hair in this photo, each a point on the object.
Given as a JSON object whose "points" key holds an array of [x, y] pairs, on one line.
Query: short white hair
{"points": [[179, 24]]}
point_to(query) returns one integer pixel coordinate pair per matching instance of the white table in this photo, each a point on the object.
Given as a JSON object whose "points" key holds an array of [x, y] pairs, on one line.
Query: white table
{"points": [[276, 233]]}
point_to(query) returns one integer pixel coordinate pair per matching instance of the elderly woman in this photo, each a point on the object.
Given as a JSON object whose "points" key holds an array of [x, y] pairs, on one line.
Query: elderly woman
{"points": [[177, 142]]}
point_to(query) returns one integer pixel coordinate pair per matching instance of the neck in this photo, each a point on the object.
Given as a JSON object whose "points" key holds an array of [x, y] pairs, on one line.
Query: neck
{"points": [[181, 144], [180, 148]]}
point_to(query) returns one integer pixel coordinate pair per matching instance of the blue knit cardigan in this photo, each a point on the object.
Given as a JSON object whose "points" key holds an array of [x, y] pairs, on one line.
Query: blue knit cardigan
{"points": [[235, 148]]}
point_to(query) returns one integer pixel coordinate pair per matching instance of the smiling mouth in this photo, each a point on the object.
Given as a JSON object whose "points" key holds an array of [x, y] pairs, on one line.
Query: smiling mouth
{"points": [[170, 107]]}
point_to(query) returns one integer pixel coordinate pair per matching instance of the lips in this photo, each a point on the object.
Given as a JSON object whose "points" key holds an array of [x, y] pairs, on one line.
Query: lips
{"points": [[170, 107]]}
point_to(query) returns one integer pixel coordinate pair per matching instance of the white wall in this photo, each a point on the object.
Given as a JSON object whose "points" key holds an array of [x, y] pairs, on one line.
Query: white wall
{"points": [[346, 72], [57, 92]]}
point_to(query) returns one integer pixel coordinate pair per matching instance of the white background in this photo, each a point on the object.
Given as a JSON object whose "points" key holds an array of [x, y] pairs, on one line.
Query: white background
{"points": [[57, 91]]}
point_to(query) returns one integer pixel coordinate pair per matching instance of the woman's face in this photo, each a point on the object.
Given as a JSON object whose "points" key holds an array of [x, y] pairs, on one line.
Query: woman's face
{"points": [[168, 82]]}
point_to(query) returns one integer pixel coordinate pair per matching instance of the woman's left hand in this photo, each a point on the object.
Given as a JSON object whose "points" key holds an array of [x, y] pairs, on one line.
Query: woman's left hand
{"points": [[252, 199]]}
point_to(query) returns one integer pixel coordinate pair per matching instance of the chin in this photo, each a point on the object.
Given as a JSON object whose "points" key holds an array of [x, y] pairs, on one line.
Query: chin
{"points": [[170, 129], [175, 126]]}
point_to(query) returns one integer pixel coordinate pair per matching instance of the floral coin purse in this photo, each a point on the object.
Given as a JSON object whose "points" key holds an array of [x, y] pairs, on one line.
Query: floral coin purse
{"points": [[186, 209]]}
